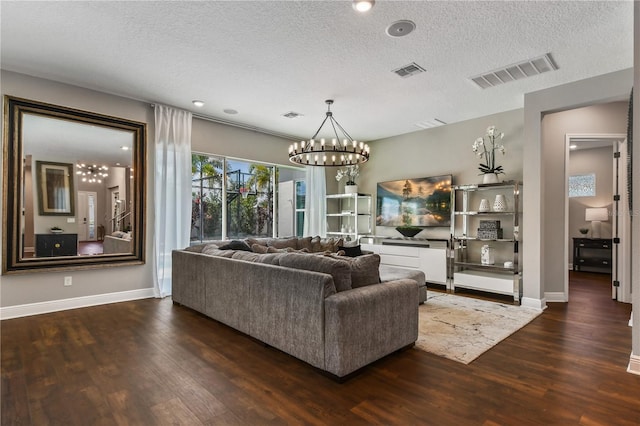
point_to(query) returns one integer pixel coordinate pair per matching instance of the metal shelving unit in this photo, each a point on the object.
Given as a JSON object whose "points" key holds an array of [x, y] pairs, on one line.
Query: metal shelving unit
{"points": [[467, 270]]}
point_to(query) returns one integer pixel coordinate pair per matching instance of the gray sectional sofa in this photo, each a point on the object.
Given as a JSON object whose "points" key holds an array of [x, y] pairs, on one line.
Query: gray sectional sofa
{"points": [[331, 312]]}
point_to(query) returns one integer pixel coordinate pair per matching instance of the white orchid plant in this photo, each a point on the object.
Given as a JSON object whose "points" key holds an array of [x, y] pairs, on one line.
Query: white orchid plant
{"points": [[486, 147], [350, 172]]}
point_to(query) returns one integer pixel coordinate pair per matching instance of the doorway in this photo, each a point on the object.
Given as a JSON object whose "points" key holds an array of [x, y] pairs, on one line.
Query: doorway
{"points": [[87, 215], [608, 152]]}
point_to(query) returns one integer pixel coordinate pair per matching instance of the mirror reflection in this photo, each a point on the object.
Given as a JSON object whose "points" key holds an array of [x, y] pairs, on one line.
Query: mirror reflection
{"points": [[74, 188], [80, 195]]}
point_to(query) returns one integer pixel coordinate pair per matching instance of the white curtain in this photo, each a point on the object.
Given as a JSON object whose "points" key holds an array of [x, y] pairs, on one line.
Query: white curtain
{"points": [[315, 208], [172, 187]]}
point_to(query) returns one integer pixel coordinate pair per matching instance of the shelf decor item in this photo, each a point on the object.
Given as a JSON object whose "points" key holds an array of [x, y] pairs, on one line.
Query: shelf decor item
{"points": [[57, 230], [484, 206], [408, 231], [500, 204], [486, 255], [485, 147], [351, 173], [584, 231]]}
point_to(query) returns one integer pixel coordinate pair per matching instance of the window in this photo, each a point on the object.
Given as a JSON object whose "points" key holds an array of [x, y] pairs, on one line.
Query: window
{"points": [[236, 199], [206, 196], [301, 190], [249, 199]]}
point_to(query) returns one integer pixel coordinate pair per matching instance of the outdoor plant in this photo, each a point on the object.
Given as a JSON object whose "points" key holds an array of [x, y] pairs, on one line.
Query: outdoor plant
{"points": [[486, 147], [350, 172]]}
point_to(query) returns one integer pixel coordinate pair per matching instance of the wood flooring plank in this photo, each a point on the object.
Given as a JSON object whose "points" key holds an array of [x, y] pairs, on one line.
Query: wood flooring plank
{"points": [[148, 362]]}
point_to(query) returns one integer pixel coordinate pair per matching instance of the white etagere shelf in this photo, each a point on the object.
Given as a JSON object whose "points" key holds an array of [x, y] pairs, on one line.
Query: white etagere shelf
{"points": [[349, 215]]}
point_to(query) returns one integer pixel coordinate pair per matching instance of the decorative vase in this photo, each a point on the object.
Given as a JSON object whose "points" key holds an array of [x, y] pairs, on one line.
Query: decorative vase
{"points": [[486, 255], [484, 205], [490, 178], [351, 189], [500, 204]]}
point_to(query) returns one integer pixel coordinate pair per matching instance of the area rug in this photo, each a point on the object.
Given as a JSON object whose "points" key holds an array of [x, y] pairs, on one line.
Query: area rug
{"points": [[462, 328]]}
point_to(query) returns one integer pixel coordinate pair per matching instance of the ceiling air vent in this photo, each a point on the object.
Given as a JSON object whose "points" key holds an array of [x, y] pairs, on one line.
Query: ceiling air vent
{"points": [[409, 70], [428, 124], [292, 114], [518, 71]]}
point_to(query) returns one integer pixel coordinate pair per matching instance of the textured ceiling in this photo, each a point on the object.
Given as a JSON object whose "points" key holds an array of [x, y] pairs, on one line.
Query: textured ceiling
{"points": [[267, 58]]}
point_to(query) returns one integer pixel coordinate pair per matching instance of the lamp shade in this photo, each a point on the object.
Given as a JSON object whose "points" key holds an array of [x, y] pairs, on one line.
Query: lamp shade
{"points": [[596, 213]]}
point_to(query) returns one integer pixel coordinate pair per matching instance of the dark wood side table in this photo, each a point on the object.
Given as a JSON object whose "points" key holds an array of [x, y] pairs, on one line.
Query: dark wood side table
{"points": [[48, 245], [592, 255]]}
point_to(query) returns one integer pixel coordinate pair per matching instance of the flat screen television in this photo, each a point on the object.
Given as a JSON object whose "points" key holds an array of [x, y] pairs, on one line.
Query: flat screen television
{"points": [[422, 202]]}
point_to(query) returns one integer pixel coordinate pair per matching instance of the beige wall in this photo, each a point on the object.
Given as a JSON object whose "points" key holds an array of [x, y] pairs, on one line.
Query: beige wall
{"points": [[600, 118], [207, 137], [441, 151]]}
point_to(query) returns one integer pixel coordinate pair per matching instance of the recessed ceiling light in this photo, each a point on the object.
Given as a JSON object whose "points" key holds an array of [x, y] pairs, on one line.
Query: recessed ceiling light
{"points": [[363, 5], [230, 111], [124, 148], [573, 146], [199, 104]]}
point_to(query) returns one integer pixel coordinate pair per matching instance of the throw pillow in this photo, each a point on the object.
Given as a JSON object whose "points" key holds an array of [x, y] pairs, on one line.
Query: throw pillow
{"points": [[259, 248], [279, 243], [261, 241], [305, 243], [338, 269], [351, 251], [285, 250], [236, 245]]}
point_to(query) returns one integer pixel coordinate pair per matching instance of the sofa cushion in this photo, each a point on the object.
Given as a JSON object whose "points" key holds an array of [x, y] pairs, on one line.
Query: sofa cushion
{"points": [[235, 245], [338, 269], [213, 250], [365, 269], [281, 243]]}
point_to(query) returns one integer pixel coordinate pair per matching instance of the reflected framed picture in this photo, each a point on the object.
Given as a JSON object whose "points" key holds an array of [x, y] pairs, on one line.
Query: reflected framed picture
{"points": [[54, 183]]}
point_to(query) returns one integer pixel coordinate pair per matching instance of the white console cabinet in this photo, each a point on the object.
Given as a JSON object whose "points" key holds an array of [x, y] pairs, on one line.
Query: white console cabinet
{"points": [[428, 257]]}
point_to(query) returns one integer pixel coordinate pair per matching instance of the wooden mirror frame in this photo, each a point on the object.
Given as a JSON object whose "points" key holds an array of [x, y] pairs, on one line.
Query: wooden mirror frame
{"points": [[13, 260]]}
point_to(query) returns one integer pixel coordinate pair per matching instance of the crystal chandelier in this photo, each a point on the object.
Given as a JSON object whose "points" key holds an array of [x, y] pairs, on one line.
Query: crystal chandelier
{"points": [[91, 173], [337, 152]]}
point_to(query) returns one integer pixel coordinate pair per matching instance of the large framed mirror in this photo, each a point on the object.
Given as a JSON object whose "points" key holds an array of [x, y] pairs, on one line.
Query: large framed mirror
{"points": [[73, 188]]}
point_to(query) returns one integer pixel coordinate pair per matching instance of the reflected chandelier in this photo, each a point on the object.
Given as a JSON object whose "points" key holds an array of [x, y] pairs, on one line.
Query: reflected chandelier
{"points": [[92, 174], [334, 153]]}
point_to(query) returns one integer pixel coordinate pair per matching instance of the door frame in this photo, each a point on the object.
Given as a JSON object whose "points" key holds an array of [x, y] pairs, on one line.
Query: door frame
{"points": [[618, 141]]}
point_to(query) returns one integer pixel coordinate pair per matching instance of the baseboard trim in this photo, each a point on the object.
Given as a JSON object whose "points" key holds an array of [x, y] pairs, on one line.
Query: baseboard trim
{"points": [[29, 309], [540, 304], [555, 296], [634, 364]]}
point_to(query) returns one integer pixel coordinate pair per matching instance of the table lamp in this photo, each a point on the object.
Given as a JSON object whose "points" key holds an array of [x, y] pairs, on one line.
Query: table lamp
{"points": [[596, 215]]}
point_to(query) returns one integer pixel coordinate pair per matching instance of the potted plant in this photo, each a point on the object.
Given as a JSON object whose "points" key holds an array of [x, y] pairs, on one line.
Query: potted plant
{"points": [[486, 147], [350, 173]]}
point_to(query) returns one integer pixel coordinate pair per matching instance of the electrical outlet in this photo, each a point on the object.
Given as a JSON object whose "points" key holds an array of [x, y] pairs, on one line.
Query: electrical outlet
{"points": [[68, 281]]}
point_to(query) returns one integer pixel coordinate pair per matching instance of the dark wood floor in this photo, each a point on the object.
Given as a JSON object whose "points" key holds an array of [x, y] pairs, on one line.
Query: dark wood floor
{"points": [[148, 362]]}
